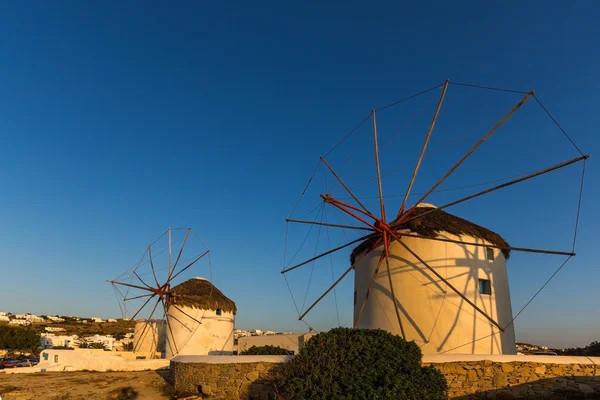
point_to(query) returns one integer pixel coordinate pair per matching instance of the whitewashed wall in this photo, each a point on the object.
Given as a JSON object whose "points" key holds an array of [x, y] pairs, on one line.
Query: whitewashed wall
{"points": [[431, 313]]}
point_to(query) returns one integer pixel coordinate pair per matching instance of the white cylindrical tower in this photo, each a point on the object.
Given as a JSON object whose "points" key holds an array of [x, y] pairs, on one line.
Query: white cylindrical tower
{"points": [[149, 337], [431, 313], [200, 320]]}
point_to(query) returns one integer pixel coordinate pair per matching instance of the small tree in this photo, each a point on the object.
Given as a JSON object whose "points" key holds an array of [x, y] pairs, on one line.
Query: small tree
{"points": [[359, 364], [265, 351], [96, 345]]}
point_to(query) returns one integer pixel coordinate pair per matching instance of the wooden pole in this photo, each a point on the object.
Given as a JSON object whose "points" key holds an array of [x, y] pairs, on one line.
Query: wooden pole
{"points": [[146, 325], [130, 285], [141, 308], [152, 265], [414, 175], [329, 252], [514, 181], [299, 221], [137, 297], [343, 184], [377, 169], [170, 254], [394, 299], [364, 302], [170, 330], [188, 266], [509, 248], [331, 287], [479, 143], [141, 280], [455, 290], [186, 314], [180, 251]]}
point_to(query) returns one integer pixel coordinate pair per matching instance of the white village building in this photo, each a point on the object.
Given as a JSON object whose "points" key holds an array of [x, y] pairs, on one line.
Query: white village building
{"points": [[53, 329], [50, 340], [107, 341], [22, 322]]}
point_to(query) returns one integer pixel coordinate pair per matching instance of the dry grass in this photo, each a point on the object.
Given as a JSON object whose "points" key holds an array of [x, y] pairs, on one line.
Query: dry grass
{"points": [[85, 386]]}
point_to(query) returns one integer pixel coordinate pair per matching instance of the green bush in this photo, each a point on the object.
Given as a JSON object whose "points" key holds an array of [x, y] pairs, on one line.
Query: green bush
{"points": [[359, 364], [265, 351], [17, 338]]}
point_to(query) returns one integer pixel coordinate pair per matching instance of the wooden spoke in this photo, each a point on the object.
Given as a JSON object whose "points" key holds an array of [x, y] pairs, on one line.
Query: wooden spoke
{"points": [[171, 345], [344, 185], [509, 248], [364, 302], [414, 175], [130, 285], [332, 286], [189, 265], [455, 290], [179, 255], [299, 221], [186, 314], [138, 311], [152, 266], [377, 168], [475, 147], [137, 297], [394, 299], [514, 181], [141, 280], [360, 239], [149, 319]]}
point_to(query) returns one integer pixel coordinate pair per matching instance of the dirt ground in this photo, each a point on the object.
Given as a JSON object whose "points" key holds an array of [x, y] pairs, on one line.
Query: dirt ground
{"points": [[86, 386]]}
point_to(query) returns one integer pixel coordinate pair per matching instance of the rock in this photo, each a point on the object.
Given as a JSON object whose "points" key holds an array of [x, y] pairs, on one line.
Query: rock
{"points": [[541, 370], [472, 375], [505, 395], [260, 367], [506, 367], [587, 389], [252, 376], [500, 380]]}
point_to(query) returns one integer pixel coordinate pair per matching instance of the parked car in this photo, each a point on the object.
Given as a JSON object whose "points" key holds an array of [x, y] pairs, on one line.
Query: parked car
{"points": [[24, 363], [10, 363]]}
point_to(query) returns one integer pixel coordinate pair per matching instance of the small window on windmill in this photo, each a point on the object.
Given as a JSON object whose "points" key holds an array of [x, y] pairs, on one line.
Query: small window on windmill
{"points": [[485, 287], [355, 297], [490, 253], [218, 311]]}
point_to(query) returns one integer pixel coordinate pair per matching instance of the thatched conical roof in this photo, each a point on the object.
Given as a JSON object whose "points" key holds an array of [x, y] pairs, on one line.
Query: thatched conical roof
{"points": [[200, 293], [432, 224]]}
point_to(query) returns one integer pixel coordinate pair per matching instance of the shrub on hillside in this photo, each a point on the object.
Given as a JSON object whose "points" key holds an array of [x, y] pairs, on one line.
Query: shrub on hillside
{"points": [[265, 351], [359, 364]]}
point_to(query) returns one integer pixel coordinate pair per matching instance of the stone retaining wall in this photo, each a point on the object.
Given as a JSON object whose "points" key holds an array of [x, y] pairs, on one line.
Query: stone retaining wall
{"points": [[244, 377], [508, 380], [234, 380]]}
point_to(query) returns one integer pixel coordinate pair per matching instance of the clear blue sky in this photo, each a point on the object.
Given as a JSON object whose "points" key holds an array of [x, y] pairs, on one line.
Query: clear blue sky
{"points": [[119, 121]]}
